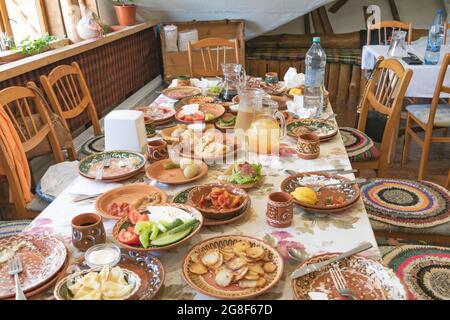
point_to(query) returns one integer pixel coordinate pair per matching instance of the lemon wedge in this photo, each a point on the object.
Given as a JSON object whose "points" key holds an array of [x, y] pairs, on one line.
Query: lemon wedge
{"points": [[296, 92], [305, 195]]}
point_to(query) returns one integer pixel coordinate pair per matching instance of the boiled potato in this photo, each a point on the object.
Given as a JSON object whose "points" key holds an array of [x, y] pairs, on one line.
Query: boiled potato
{"points": [[191, 171]]}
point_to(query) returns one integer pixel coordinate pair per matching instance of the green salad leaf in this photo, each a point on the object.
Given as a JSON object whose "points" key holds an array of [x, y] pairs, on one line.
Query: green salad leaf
{"points": [[238, 179]]}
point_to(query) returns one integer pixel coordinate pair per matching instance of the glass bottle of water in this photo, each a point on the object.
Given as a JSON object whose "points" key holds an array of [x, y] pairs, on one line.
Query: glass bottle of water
{"points": [[435, 37], [315, 62]]}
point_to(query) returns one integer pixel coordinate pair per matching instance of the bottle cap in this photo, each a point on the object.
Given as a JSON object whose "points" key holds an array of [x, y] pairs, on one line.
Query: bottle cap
{"points": [[440, 11], [316, 39]]}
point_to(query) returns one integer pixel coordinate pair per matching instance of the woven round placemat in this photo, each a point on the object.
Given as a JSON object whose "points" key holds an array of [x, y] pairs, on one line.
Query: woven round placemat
{"points": [[424, 270], [94, 145], [355, 141], [406, 203]]}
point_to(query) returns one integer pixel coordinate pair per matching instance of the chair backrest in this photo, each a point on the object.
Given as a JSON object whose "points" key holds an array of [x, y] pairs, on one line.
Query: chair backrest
{"points": [[213, 53], [385, 30], [30, 118], [440, 88], [446, 25], [69, 95], [385, 93]]}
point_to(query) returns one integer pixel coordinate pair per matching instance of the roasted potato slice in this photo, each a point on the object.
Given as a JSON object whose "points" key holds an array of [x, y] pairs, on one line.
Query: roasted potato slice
{"points": [[261, 282], [198, 268], [241, 246], [223, 277], [236, 263], [245, 284], [269, 267], [256, 268], [211, 257], [194, 257], [227, 255], [255, 253], [240, 274], [219, 263], [251, 276]]}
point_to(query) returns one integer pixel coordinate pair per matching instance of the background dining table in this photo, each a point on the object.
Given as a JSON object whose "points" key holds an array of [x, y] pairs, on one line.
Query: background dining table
{"points": [[424, 78], [310, 234]]}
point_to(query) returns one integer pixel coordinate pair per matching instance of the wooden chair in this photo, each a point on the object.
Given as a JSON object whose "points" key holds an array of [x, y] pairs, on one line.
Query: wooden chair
{"points": [[69, 96], [428, 117], [385, 25], [447, 185], [216, 50], [384, 93], [446, 25], [23, 107]]}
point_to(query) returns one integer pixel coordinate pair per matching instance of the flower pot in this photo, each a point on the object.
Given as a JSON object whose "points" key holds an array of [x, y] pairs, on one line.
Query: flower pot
{"points": [[126, 14]]}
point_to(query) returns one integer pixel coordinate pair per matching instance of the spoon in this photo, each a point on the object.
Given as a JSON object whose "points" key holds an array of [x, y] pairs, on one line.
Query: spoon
{"points": [[356, 181], [296, 255]]}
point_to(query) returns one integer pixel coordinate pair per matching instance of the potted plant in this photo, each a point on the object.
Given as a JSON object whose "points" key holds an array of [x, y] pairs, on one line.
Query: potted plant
{"points": [[125, 12]]}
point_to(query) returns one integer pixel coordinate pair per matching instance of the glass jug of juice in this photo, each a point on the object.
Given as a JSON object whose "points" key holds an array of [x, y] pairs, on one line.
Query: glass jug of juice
{"points": [[267, 129], [249, 101]]}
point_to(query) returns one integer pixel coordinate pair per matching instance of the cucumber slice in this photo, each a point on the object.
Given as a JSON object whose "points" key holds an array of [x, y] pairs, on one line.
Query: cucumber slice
{"points": [[155, 232], [184, 226], [144, 238], [167, 238], [177, 222]]}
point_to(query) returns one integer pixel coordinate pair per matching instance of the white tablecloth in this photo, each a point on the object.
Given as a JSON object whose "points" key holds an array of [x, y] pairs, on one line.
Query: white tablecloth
{"points": [[423, 82]]}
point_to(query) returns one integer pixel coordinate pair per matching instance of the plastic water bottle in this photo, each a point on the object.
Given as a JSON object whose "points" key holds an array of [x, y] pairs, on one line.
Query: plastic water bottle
{"points": [[315, 62], [435, 36]]}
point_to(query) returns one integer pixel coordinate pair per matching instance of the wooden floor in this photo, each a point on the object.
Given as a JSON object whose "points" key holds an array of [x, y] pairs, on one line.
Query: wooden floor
{"points": [[437, 168]]}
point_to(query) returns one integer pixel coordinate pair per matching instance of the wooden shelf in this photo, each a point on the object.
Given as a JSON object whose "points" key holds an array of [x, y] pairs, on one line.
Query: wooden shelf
{"points": [[19, 67]]}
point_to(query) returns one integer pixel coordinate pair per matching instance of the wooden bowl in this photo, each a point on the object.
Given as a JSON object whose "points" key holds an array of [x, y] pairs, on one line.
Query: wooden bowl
{"points": [[124, 222], [217, 110], [212, 213]]}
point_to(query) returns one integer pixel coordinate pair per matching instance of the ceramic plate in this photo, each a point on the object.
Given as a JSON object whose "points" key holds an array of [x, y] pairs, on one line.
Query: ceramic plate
{"points": [[192, 100], [182, 197], [175, 176], [206, 284], [367, 278], [158, 114], [216, 213], [123, 164], [246, 186], [215, 109], [166, 133], [178, 93], [62, 292], [323, 128], [227, 116], [348, 194], [128, 194], [125, 223], [42, 258]]}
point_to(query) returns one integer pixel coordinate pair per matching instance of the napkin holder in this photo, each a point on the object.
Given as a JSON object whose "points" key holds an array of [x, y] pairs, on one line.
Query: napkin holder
{"points": [[125, 130]]}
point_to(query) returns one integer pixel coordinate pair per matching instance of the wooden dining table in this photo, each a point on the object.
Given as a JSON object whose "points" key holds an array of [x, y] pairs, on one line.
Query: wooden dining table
{"points": [[310, 233]]}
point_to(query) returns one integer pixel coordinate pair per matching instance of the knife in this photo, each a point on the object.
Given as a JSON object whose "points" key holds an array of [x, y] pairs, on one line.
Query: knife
{"points": [[340, 171], [306, 269]]}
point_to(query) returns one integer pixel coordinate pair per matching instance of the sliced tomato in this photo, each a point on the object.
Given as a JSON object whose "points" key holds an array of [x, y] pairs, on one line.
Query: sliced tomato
{"points": [[134, 216], [199, 117], [127, 236]]}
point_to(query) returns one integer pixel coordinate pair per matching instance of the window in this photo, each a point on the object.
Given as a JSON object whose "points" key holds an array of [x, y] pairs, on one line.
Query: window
{"points": [[23, 18]]}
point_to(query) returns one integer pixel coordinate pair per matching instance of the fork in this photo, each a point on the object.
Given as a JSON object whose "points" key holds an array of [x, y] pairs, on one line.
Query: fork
{"points": [[15, 267], [339, 282], [105, 164], [351, 182]]}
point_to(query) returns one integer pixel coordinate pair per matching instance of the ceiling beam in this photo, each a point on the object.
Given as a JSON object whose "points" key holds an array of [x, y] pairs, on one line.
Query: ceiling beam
{"points": [[337, 5], [394, 10]]}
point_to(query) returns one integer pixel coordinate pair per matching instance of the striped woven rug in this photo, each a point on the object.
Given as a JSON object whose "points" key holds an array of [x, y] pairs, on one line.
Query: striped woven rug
{"points": [[10, 228]]}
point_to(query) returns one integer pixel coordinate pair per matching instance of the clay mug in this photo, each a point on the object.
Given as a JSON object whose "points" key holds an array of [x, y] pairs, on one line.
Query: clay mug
{"points": [[157, 150], [280, 210], [308, 146], [87, 231]]}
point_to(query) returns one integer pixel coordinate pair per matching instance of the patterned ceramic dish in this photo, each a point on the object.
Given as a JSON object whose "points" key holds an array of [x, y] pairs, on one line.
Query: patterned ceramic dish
{"points": [[123, 164], [323, 128], [182, 198], [173, 176], [62, 291], [158, 114], [178, 93], [348, 194], [215, 109], [366, 278], [124, 223], [197, 193], [205, 283], [42, 258], [192, 100], [128, 194]]}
